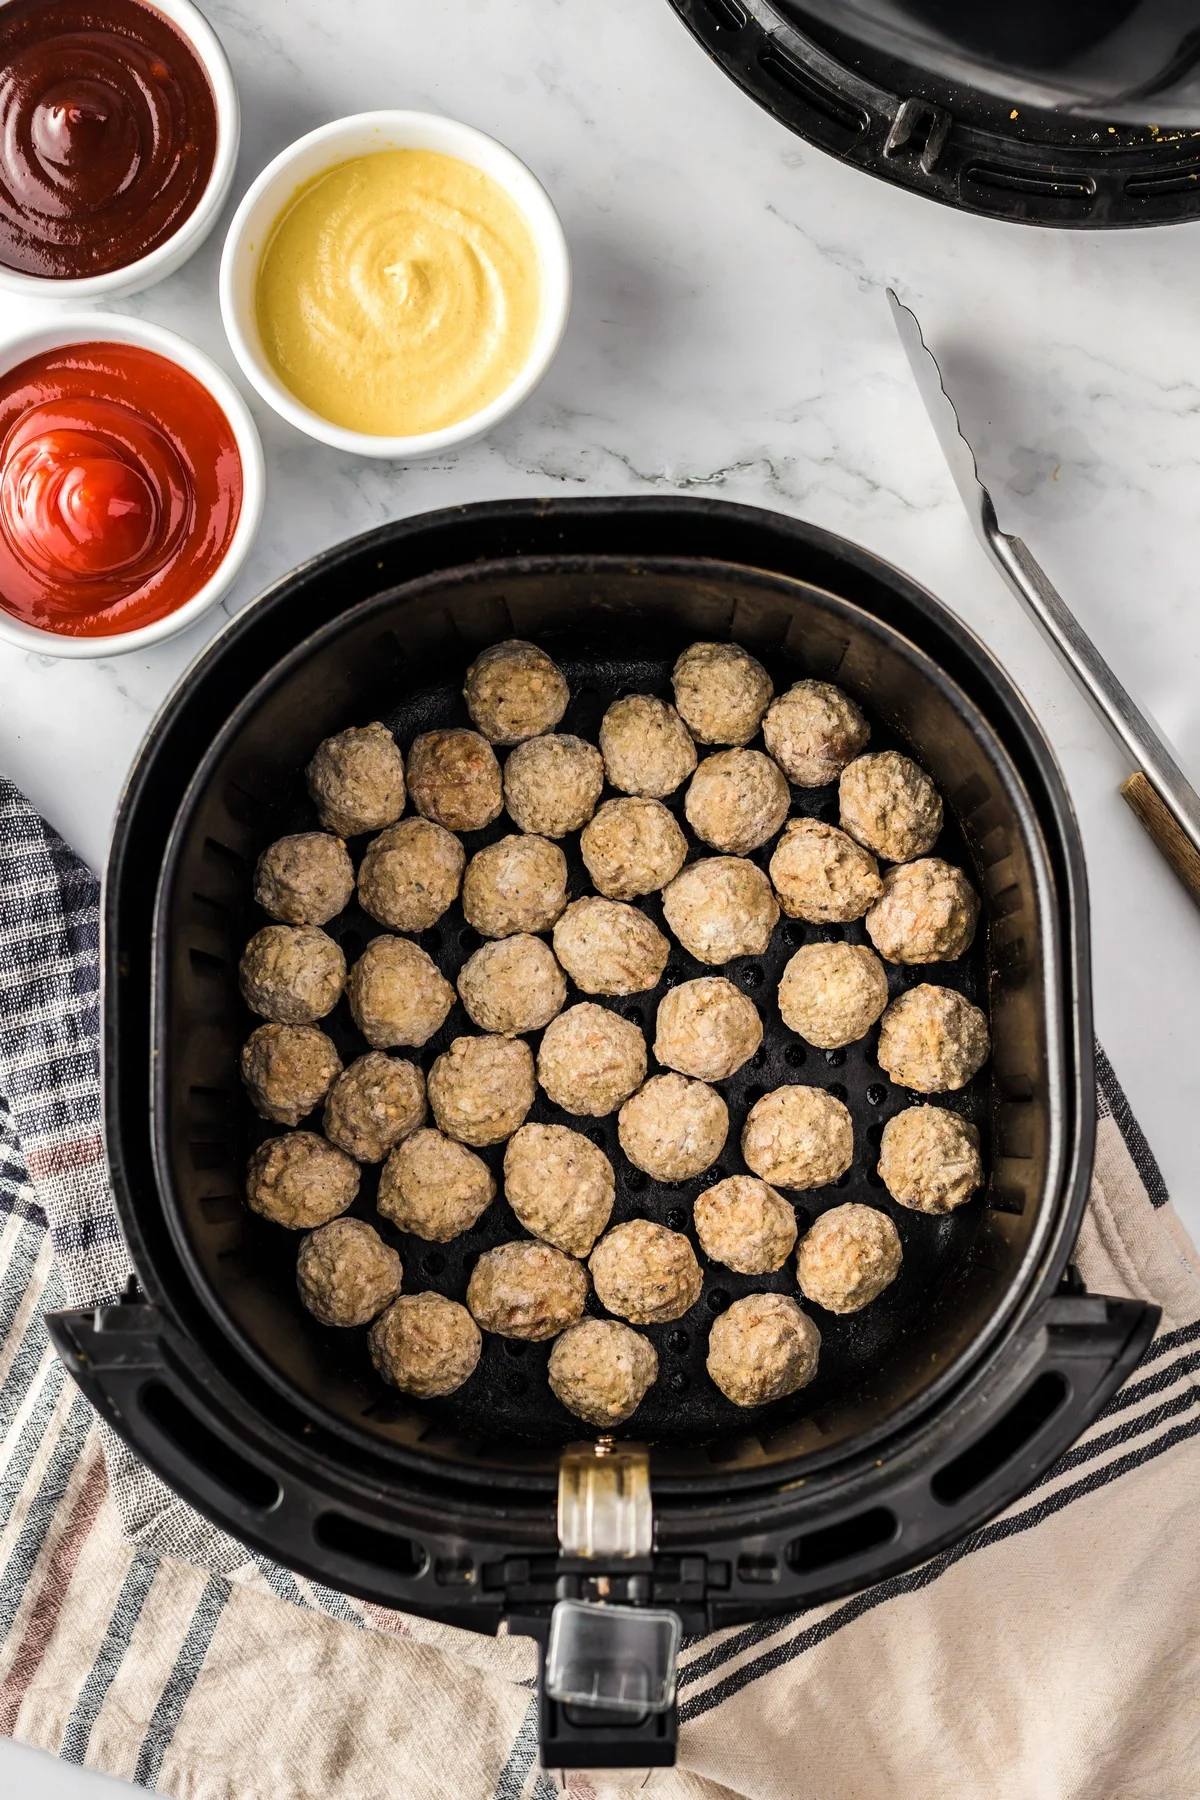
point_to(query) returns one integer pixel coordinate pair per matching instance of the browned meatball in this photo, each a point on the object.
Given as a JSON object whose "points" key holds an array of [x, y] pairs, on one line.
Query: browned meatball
{"points": [[293, 974], [481, 1088], [375, 1104], [812, 731], [526, 1290], [929, 1159], [517, 884], [632, 847], [736, 800], [889, 804], [454, 779], [832, 994], [931, 1040], [397, 994], [589, 1060], [822, 875], [706, 1029], [745, 1224], [721, 692], [512, 985], [848, 1257], [762, 1348], [673, 1128], [798, 1137], [928, 913], [411, 874], [645, 1273], [305, 879], [346, 1273], [602, 1371], [720, 908], [433, 1187], [560, 1186], [357, 780], [514, 691], [646, 746], [425, 1345], [552, 784], [607, 947], [287, 1070], [300, 1181]]}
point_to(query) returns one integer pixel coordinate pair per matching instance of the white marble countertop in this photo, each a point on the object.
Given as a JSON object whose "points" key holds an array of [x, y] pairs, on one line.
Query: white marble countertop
{"points": [[730, 337]]}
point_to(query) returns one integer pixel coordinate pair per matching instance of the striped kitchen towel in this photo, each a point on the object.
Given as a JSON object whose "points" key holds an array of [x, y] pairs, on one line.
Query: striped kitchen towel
{"points": [[1054, 1655]]}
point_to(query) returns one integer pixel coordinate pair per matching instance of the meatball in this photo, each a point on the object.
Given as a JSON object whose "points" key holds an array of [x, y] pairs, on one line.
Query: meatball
{"points": [[589, 1061], [410, 875], [762, 1348], [454, 779], [512, 985], [425, 1345], [526, 1290], [673, 1128], [292, 974], [287, 1070], [356, 780], [889, 804], [305, 879], [633, 846], [812, 731], [377, 1102], [848, 1257], [300, 1181], [927, 913], [929, 1159], [397, 994], [706, 1029], [645, 1273], [346, 1273], [481, 1088], [514, 691], [736, 800], [517, 884], [720, 908], [552, 784], [798, 1137], [647, 748], [721, 692], [932, 1040], [434, 1187], [559, 1185], [822, 875], [602, 1371], [607, 947], [746, 1225], [832, 994]]}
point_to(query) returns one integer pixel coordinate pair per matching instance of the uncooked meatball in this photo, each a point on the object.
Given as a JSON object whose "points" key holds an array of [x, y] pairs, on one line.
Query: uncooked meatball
{"points": [[721, 692], [356, 780], [425, 1345], [928, 913], [552, 784], [633, 846], [888, 803], [560, 1186], [287, 1070], [410, 875], [589, 1061], [645, 1273], [832, 994], [812, 731], [376, 1103], [305, 879], [526, 1290], [720, 908], [848, 1257], [736, 800], [300, 1181], [673, 1128], [512, 985], [517, 884], [346, 1273], [707, 1029], [602, 1371], [929, 1159], [514, 691], [292, 974], [397, 994], [433, 1187], [762, 1348], [647, 748], [822, 875], [454, 779], [607, 947], [932, 1040], [798, 1137], [481, 1088], [745, 1224]]}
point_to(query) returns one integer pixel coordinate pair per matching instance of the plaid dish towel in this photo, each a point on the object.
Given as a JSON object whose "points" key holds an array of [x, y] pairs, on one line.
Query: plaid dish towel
{"points": [[1053, 1655]]}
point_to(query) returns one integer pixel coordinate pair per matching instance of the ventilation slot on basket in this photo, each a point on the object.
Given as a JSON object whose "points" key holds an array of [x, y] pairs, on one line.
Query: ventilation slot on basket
{"points": [[1003, 1442], [725, 14], [1162, 187], [838, 1543], [216, 1459], [363, 1544], [831, 117], [1022, 191]]}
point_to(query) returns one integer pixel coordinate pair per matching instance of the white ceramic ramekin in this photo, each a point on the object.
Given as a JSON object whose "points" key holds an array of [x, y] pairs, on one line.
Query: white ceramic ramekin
{"points": [[175, 250], [324, 149], [114, 328]]}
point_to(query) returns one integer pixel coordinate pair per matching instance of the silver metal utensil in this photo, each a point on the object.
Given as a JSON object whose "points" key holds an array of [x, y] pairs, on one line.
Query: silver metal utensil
{"points": [[1158, 792]]}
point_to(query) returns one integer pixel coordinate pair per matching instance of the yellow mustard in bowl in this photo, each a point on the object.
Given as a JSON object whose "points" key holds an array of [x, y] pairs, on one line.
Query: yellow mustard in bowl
{"points": [[399, 292]]}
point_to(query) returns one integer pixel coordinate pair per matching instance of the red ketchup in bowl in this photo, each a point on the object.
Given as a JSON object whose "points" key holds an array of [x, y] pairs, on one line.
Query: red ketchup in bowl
{"points": [[120, 488]]}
